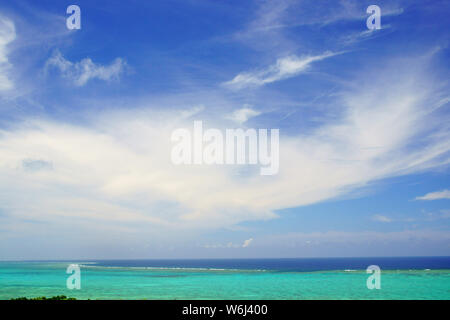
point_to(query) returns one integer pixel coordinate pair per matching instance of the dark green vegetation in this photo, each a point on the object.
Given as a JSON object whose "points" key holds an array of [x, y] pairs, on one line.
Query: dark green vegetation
{"points": [[45, 298]]}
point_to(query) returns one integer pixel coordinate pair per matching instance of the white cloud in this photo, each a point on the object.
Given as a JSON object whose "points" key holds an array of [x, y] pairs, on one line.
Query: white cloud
{"points": [[81, 72], [7, 35], [117, 172], [286, 67], [241, 116], [381, 218], [444, 194], [247, 243]]}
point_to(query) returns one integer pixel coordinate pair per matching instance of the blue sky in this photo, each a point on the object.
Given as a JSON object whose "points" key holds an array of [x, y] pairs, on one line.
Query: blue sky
{"points": [[86, 119]]}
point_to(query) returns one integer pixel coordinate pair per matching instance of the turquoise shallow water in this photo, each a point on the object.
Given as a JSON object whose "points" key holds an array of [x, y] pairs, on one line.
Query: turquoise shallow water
{"points": [[33, 279]]}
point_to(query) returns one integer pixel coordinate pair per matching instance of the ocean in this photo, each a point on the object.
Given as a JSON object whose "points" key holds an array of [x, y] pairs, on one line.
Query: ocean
{"points": [[302, 278]]}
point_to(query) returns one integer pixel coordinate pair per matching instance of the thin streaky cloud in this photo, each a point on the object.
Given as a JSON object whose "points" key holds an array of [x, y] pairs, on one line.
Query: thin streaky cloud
{"points": [[284, 68], [381, 218], [437, 195]]}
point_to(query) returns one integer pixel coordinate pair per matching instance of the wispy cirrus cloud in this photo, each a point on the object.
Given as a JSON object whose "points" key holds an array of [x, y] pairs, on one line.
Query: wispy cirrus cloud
{"points": [[269, 26], [7, 35], [381, 218], [79, 73], [283, 68], [437, 195]]}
